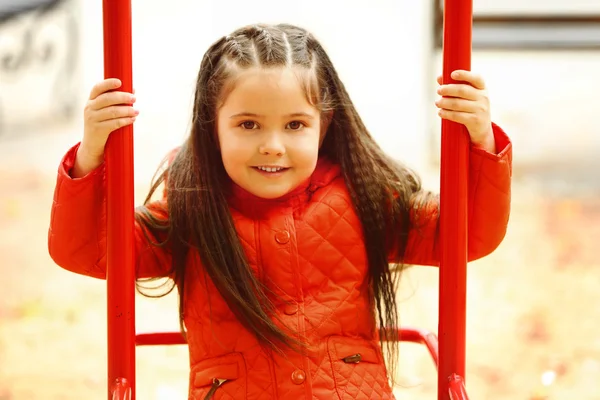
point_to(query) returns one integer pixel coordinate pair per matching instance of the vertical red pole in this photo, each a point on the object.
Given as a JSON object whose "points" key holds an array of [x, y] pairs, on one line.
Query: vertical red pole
{"points": [[120, 206], [458, 17]]}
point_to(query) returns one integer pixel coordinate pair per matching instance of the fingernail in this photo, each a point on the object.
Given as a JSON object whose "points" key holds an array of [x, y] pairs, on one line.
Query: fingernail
{"points": [[455, 74], [136, 112]]}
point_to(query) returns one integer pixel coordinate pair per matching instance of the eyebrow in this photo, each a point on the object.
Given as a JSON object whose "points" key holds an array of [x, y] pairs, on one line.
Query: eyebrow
{"points": [[252, 115]]}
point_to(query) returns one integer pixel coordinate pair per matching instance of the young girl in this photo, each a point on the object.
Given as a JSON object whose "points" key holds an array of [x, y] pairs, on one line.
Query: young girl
{"points": [[280, 218]]}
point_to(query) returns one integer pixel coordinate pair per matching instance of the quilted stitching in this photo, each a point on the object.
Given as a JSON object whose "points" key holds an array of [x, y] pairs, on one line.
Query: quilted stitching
{"points": [[321, 271]]}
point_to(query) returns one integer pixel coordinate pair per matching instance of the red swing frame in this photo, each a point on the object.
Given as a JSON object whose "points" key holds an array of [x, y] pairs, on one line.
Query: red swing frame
{"points": [[122, 338]]}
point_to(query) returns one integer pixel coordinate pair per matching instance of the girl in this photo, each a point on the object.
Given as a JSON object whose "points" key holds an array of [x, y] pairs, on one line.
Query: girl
{"points": [[280, 218]]}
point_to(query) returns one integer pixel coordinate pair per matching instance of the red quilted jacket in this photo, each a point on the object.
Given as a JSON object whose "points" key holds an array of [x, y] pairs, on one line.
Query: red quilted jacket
{"points": [[310, 245]]}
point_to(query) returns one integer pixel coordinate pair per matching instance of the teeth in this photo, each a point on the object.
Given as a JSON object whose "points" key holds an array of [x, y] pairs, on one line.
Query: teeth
{"points": [[270, 169]]}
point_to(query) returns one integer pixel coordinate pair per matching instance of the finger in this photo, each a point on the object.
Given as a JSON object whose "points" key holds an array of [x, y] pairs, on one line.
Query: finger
{"points": [[456, 116], [104, 86], [467, 76], [440, 79], [455, 104], [112, 99], [459, 90], [113, 124], [114, 112]]}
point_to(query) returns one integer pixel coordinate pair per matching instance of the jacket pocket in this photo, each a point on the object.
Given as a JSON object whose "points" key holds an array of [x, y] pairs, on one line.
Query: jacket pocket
{"points": [[359, 372], [220, 378]]}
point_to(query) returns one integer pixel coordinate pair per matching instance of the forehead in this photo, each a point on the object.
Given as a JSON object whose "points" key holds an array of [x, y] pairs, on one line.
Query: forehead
{"points": [[269, 91]]}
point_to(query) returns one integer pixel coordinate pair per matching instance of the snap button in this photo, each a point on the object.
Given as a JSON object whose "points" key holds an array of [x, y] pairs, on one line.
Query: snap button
{"points": [[282, 237], [298, 377], [290, 309]]}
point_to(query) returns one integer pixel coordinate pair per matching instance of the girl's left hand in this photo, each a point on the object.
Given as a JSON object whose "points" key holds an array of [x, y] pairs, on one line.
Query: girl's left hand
{"points": [[468, 104]]}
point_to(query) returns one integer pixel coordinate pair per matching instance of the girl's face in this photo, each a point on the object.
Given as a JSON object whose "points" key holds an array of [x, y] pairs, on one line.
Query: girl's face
{"points": [[268, 132]]}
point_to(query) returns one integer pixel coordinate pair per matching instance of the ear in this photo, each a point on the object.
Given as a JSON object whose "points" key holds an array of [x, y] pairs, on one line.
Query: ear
{"points": [[326, 119]]}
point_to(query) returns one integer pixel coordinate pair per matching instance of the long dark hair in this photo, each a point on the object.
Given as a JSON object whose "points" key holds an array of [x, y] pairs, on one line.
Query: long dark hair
{"points": [[383, 191]]}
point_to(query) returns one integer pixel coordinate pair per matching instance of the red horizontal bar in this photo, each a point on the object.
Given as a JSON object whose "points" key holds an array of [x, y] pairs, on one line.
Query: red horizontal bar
{"points": [[424, 337], [159, 339], [420, 336]]}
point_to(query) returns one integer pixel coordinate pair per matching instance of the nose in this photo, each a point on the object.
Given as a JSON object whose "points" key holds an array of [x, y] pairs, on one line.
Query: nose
{"points": [[272, 145]]}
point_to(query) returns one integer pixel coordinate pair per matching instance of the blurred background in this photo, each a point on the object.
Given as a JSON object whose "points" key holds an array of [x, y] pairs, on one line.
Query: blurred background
{"points": [[532, 305]]}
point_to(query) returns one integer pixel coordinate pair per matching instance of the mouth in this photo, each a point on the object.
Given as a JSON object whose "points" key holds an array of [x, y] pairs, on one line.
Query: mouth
{"points": [[271, 169]]}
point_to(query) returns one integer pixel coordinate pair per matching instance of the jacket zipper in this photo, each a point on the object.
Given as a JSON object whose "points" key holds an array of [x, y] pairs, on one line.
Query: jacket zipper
{"points": [[216, 384], [353, 359]]}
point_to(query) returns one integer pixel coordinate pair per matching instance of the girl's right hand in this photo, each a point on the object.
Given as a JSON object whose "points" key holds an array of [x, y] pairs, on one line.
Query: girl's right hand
{"points": [[106, 111]]}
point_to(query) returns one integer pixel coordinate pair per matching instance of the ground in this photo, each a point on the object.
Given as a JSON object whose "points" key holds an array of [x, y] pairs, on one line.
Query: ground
{"points": [[532, 315]]}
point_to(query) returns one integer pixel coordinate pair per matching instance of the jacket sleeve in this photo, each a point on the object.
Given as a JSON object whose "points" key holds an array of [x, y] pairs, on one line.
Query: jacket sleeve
{"points": [[489, 197], [77, 233]]}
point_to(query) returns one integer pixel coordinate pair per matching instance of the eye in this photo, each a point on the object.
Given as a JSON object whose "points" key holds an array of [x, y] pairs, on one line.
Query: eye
{"points": [[295, 125], [249, 125]]}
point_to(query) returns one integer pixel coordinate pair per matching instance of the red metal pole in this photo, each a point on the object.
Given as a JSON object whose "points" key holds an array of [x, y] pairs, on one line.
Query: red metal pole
{"points": [[120, 206], [458, 17]]}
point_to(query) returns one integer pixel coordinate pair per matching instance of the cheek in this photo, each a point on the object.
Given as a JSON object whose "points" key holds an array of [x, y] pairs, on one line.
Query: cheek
{"points": [[306, 152], [232, 148], [226, 153], [232, 154]]}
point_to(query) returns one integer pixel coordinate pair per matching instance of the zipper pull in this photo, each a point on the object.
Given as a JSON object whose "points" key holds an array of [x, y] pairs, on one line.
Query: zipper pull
{"points": [[353, 359], [216, 384]]}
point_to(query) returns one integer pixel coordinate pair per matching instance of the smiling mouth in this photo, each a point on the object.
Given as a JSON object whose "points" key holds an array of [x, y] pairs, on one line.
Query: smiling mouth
{"points": [[271, 169]]}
